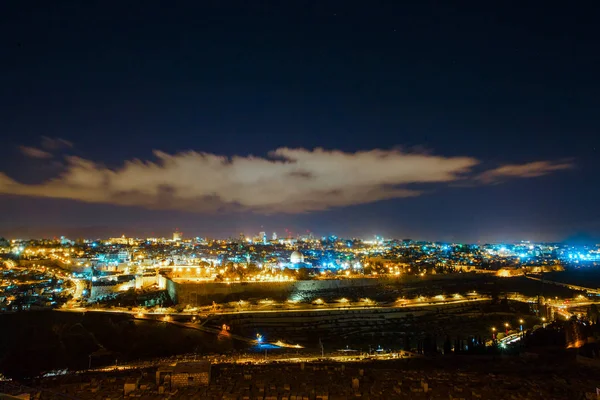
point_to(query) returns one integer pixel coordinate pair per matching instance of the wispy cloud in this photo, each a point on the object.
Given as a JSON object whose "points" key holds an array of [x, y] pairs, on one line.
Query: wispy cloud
{"points": [[47, 148], [34, 152], [53, 144], [285, 181], [529, 170]]}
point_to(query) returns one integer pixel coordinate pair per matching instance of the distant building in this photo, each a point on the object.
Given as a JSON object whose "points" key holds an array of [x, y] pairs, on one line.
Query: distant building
{"points": [[176, 236], [185, 374], [66, 242], [297, 258], [121, 240], [274, 237], [296, 261]]}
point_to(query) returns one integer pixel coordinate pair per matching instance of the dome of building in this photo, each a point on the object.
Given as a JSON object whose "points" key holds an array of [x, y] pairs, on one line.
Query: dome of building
{"points": [[296, 257]]}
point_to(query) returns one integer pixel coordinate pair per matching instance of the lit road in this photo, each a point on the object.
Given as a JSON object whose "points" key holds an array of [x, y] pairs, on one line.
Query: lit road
{"points": [[268, 306], [292, 308], [256, 359], [512, 338], [79, 288], [169, 317], [349, 306], [567, 285], [79, 285]]}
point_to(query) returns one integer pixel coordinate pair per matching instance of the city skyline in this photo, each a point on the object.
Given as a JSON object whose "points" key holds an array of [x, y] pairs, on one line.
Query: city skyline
{"points": [[288, 236], [427, 121]]}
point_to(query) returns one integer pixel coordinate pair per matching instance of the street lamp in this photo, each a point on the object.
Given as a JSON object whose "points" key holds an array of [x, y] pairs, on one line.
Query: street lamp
{"points": [[521, 322], [493, 333], [544, 321], [506, 326]]}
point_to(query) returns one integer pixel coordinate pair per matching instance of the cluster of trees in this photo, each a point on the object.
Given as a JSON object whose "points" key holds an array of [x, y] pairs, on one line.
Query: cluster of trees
{"points": [[233, 271], [428, 344]]}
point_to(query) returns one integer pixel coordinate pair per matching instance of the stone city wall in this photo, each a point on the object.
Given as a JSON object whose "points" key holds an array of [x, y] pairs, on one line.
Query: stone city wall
{"points": [[144, 281], [202, 293], [99, 289]]}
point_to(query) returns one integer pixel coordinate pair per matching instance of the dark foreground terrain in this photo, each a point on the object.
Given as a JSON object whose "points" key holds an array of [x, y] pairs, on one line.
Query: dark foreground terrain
{"points": [[433, 378]]}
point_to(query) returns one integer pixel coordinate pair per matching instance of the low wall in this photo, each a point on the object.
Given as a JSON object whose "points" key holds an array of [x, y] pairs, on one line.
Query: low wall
{"points": [[98, 291], [80, 269]]}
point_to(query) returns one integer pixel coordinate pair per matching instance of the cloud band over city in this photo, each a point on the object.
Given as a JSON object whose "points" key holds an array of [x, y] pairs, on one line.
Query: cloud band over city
{"points": [[286, 181]]}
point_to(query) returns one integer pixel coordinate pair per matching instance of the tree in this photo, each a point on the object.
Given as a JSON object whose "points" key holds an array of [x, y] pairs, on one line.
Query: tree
{"points": [[593, 314], [252, 269], [447, 345], [406, 342], [303, 274]]}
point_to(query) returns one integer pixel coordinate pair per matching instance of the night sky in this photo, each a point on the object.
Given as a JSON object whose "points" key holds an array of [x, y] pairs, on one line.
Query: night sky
{"points": [[428, 121]]}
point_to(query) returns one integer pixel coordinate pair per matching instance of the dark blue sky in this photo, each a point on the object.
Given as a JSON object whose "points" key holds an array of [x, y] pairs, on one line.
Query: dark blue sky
{"points": [[505, 83]]}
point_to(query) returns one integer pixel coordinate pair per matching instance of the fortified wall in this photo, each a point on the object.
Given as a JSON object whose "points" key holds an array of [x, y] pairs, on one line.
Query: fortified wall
{"points": [[203, 293]]}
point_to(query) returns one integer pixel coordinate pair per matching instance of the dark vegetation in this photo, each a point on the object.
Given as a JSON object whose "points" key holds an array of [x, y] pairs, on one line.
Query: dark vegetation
{"points": [[37, 342]]}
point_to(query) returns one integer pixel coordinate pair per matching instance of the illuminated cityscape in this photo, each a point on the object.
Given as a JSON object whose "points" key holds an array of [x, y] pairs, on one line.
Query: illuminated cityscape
{"points": [[104, 269], [299, 200], [384, 294]]}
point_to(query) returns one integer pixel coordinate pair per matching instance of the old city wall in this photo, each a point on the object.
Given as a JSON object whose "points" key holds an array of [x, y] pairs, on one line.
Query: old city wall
{"points": [[204, 293], [192, 293]]}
